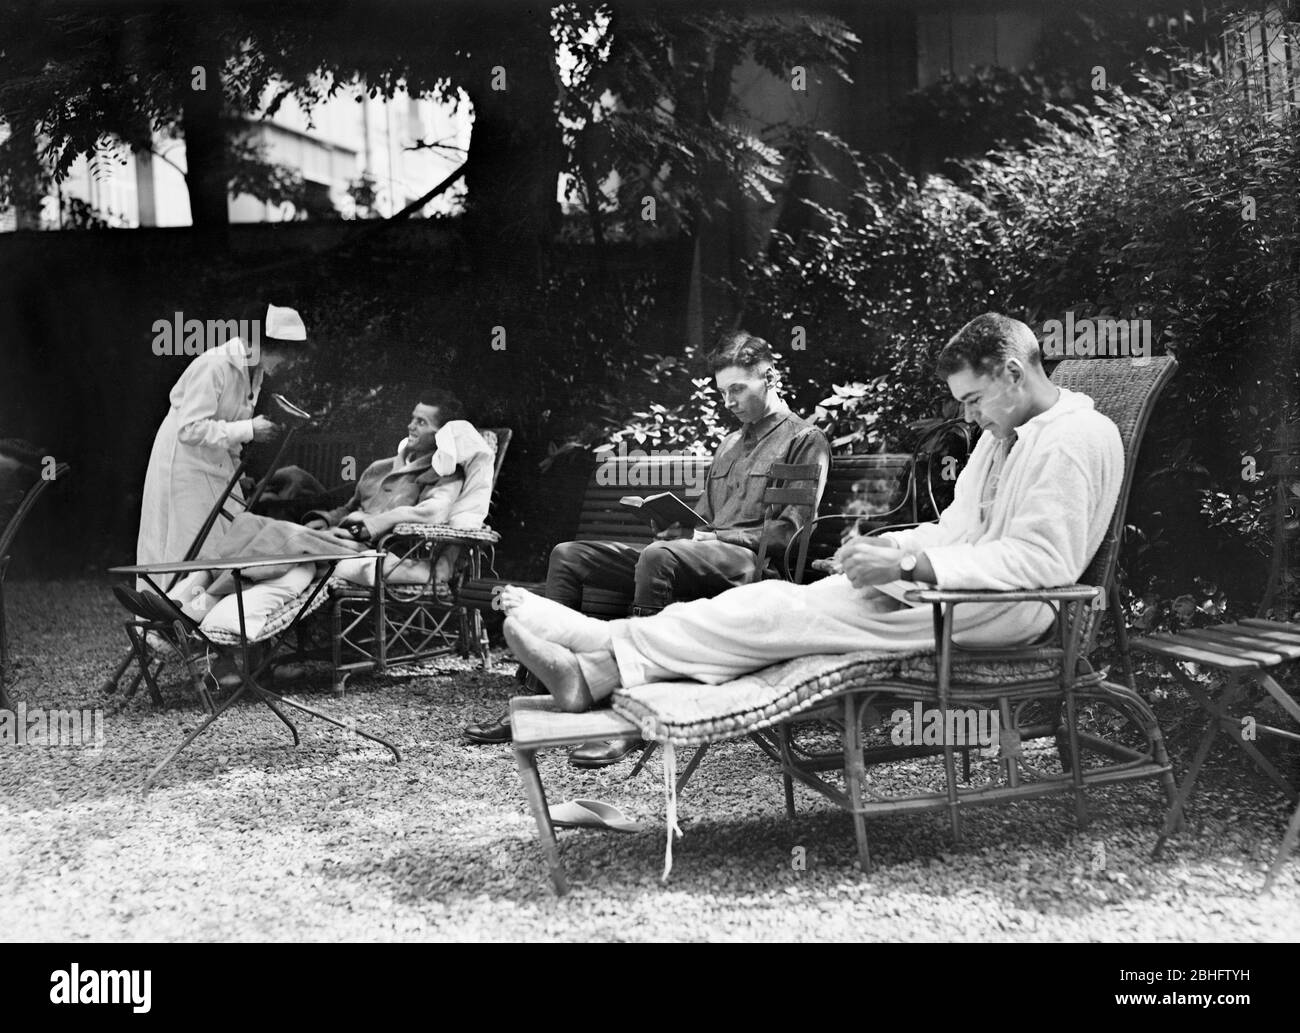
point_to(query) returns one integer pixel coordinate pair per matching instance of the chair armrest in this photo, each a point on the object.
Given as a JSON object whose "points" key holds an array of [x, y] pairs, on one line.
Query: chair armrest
{"points": [[1066, 593], [892, 527], [443, 533], [1070, 604]]}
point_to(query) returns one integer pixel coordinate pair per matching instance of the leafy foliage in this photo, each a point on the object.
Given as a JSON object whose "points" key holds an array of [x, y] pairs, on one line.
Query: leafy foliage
{"points": [[648, 105], [1172, 202]]}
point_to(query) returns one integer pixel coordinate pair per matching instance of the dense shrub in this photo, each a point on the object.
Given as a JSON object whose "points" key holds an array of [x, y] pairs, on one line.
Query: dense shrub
{"points": [[1171, 204]]}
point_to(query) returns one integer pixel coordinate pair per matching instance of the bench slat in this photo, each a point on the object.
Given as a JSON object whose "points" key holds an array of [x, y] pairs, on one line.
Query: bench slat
{"points": [[1168, 645], [1285, 650]]}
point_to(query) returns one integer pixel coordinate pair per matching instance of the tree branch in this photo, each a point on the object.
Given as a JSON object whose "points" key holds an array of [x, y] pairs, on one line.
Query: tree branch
{"points": [[370, 227], [424, 199], [153, 150]]}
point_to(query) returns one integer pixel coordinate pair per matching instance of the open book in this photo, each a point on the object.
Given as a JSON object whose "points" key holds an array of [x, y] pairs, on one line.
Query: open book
{"points": [[664, 509]]}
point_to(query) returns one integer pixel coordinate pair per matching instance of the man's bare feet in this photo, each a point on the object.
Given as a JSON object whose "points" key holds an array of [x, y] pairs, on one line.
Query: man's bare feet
{"points": [[512, 597], [556, 622], [556, 667]]}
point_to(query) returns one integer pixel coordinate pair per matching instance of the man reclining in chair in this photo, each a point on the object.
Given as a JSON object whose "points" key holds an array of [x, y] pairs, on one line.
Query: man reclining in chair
{"points": [[1030, 509], [441, 474]]}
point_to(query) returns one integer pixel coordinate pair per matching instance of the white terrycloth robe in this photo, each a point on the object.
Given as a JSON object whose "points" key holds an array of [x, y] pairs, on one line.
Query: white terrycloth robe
{"points": [[1055, 497], [196, 450]]}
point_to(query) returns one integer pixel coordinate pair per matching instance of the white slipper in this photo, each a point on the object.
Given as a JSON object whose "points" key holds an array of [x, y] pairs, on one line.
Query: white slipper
{"points": [[574, 814]]}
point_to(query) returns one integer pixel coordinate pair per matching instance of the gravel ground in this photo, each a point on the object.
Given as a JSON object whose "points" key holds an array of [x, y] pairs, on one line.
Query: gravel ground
{"points": [[250, 839]]}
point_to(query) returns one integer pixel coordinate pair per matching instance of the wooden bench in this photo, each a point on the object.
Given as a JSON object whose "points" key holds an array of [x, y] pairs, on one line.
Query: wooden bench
{"points": [[882, 482]]}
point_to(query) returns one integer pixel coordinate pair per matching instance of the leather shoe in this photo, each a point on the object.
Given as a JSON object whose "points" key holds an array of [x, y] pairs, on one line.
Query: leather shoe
{"points": [[603, 752], [529, 681], [491, 731]]}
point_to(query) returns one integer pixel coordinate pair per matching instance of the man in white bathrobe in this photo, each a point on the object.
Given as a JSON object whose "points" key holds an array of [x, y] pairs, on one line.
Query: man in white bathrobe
{"points": [[1030, 509]]}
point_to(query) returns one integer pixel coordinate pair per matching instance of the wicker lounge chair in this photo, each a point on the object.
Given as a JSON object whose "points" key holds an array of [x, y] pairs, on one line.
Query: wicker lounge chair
{"points": [[1037, 691], [387, 624]]}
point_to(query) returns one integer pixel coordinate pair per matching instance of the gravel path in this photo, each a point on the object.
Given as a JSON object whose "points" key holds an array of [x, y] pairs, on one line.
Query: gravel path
{"points": [[250, 839]]}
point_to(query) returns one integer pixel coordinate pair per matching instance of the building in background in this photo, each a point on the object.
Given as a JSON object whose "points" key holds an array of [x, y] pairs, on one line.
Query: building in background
{"points": [[350, 139]]}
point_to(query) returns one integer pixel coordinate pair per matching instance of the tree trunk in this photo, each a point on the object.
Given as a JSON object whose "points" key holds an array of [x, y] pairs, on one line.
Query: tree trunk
{"points": [[29, 180], [515, 155], [206, 176], [717, 254]]}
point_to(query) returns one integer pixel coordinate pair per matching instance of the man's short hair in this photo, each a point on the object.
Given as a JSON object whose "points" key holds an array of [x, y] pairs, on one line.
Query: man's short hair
{"points": [[738, 348], [448, 405], [985, 343]]}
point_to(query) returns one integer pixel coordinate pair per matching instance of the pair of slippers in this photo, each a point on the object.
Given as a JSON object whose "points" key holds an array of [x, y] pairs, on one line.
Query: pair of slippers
{"points": [[153, 607], [579, 814]]}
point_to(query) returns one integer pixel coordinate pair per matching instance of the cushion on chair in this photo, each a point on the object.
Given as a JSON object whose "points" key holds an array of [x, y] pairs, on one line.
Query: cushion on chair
{"points": [[688, 713], [280, 617], [989, 673], [446, 533]]}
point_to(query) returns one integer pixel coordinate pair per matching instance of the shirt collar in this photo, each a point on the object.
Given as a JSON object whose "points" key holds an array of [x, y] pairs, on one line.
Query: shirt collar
{"points": [[423, 462], [760, 428]]}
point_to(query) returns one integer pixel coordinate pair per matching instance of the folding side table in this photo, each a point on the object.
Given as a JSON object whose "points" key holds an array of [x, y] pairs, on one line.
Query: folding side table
{"points": [[1245, 649]]}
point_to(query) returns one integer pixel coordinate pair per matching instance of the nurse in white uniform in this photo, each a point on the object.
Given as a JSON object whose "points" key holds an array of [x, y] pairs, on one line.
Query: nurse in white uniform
{"points": [[197, 448]]}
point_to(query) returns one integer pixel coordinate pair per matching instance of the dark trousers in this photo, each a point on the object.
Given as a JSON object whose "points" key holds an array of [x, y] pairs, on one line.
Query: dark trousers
{"points": [[656, 574]]}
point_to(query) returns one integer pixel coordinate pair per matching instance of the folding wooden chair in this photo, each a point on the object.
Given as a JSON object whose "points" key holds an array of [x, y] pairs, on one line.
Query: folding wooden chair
{"points": [[152, 643]]}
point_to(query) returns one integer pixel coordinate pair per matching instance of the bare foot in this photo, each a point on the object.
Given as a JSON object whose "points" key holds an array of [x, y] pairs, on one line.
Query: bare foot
{"points": [[512, 597], [556, 667], [557, 623]]}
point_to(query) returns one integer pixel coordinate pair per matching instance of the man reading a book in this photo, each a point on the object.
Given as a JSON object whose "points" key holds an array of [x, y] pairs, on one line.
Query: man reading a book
{"points": [[722, 552]]}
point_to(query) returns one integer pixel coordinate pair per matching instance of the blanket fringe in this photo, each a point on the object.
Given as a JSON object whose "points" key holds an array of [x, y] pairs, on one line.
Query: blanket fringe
{"points": [[670, 794]]}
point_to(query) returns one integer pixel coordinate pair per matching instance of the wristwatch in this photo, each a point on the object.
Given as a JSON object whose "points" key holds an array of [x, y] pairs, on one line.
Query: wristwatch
{"points": [[907, 565]]}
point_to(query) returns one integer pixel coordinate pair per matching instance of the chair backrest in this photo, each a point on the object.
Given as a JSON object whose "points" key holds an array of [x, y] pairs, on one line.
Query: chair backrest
{"points": [[879, 485], [790, 484], [1126, 391], [880, 481], [500, 436], [323, 455]]}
